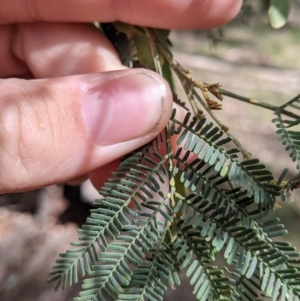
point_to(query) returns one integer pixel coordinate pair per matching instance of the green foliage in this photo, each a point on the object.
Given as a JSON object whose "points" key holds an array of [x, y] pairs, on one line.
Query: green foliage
{"points": [[278, 12], [289, 138], [202, 208], [287, 123], [127, 253]]}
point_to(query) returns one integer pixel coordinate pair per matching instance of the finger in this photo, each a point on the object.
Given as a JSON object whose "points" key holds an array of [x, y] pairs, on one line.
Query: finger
{"points": [[57, 129], [51, 50], [153, 13], [99, 176]]}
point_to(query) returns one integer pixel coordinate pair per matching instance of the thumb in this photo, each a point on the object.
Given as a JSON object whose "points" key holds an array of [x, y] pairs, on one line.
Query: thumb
{"points": [[53, 130]]}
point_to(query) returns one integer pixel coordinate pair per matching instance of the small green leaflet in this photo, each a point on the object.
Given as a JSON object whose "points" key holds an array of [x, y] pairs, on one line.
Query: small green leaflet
{"points": [[278, 13]]}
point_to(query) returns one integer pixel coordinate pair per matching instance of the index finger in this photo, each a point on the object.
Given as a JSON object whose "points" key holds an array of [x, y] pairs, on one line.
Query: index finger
{"points": [[180, 14]]}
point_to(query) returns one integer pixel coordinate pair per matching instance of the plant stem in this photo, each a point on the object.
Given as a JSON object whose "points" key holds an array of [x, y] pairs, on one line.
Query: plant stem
{"points": [[264, 105]]}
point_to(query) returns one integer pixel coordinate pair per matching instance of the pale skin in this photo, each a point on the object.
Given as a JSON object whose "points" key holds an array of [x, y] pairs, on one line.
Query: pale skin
{"points": [[61, 81]]}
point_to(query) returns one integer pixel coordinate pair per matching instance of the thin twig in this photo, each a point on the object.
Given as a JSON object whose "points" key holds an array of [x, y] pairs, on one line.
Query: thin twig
{"points": [[264, 105], [187, 89]]}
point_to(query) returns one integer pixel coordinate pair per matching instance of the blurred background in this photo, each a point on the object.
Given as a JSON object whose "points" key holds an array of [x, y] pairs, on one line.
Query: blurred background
{"points": [[246, 57]]}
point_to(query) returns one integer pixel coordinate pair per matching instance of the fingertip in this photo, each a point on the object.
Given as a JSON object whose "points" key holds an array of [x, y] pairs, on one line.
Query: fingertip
{"points": [[221, 12], [135, 104]]}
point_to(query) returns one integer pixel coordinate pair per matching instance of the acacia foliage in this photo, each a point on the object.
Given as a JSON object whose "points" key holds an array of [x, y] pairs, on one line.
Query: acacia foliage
{"points": [[203, 208]]}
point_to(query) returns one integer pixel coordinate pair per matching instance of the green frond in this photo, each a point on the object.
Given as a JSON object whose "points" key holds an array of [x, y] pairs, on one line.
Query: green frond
{"points": [[203, 209], [243, 247], [290, 139], [114, 269], [208, 281], [207, 142], [230, 205], [289, 135], [247, 289], [147, 279], [137, 180]]}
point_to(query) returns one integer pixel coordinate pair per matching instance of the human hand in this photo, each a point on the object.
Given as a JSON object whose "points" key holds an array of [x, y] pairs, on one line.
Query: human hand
{"points": [[61, 119]]}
